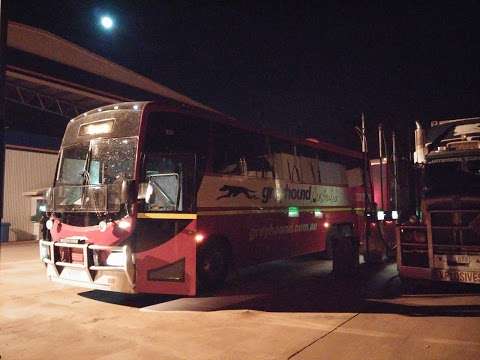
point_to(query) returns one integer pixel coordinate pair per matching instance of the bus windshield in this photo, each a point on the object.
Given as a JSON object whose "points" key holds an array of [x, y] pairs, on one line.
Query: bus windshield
{"points": [[112, 160], [90, 175], [108, 160]]}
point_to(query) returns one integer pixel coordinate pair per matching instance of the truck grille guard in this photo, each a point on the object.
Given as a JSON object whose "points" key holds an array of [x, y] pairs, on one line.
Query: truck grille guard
{"points": [[48, 256], [451, 229]]}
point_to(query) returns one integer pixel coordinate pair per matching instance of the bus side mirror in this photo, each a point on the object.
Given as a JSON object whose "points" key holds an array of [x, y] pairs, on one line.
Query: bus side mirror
{"points": [[49, 199], [126, 190], [145, 192], [142, 190]]}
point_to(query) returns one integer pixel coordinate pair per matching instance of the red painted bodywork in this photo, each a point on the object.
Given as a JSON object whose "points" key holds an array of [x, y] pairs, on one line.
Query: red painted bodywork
{"points": [[181, 246], [112, 235], [248, 249]]}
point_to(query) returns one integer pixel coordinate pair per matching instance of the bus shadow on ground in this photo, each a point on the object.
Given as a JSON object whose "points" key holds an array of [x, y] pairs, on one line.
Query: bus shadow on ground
{"points": [[376, 289], [130, 300], [307, 284]]}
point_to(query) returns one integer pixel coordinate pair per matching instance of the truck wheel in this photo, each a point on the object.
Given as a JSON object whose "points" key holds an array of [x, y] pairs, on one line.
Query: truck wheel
{"points": [[212, 265], [412, 286]]}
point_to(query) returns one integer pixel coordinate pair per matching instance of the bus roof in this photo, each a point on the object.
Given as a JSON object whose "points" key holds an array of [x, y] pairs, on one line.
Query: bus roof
{"points": [[175, 106]]}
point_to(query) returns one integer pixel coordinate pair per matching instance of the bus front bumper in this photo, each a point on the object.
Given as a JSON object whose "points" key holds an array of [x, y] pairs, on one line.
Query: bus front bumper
{"points": [[85, 271]]}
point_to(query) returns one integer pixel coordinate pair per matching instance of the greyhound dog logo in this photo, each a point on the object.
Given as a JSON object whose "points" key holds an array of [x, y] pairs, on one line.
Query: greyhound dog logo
{"points": [[234, 191]]}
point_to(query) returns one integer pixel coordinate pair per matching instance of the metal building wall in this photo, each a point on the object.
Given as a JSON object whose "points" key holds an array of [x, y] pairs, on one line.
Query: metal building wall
{"points": [[24, 171]]}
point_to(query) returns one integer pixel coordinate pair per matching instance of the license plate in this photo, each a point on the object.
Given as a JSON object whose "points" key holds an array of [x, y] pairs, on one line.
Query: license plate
{"points": [[458, 259], [457, 276]]}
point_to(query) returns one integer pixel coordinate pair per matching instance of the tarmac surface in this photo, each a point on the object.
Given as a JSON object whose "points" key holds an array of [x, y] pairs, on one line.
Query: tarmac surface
{"points": [[291, 309]]}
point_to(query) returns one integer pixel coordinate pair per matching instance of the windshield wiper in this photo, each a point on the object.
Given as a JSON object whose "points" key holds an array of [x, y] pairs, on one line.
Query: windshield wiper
{"points": [[86, 173], [86, 177]]}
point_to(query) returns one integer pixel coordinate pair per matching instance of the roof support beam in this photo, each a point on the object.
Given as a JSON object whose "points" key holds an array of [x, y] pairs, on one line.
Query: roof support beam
{"points": [[36, 100]]}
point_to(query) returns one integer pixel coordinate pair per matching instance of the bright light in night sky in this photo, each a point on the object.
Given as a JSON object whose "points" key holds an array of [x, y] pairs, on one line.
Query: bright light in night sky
{"points": [[107, 22]]}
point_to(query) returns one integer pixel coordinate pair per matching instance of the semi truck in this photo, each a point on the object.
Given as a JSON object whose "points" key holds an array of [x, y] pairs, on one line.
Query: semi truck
{"points": [[441, 240]]}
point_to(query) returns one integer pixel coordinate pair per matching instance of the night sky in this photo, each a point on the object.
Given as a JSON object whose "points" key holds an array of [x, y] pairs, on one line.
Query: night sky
{"points": [[303, 68]]}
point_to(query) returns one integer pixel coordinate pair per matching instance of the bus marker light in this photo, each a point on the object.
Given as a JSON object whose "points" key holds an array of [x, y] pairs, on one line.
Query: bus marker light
{"points": [[199, 238], [49, 224], [380, 215], [102, 225], [395, 215], [326, 224], [100, 127], [293, 211], [318, 213]]}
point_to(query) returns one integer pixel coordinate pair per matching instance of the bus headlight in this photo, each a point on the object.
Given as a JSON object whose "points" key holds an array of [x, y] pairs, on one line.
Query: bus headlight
{"points": [[102, 225], [124, 224], [116, 259]]}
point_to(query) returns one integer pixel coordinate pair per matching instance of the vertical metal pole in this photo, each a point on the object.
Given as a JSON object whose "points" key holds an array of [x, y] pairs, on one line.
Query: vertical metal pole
{"points": [[366, 165], [3, 61], [387, 172], [380, 154], [395, 172], [367, 188]]}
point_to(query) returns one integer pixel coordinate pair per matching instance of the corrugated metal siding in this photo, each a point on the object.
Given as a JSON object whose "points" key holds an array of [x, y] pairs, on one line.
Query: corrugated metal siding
{"points": [[24, 171]]}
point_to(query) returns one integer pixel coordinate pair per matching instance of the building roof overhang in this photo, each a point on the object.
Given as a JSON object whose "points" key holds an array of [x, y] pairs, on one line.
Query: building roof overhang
{"points": [[48, 69]]}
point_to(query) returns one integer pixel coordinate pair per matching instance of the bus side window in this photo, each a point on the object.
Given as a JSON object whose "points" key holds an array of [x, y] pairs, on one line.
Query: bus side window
{"points": [[256, 157], [228, 157], [259, 166], [237, 152], [282, 152], [164, 174]]}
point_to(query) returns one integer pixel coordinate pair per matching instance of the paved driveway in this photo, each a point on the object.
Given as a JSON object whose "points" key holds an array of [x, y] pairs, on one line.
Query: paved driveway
{"points": [[281, 310]]}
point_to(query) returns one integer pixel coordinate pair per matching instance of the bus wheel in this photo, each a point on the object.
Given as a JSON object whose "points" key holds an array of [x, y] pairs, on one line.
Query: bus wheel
{"points": [[212, 265]]}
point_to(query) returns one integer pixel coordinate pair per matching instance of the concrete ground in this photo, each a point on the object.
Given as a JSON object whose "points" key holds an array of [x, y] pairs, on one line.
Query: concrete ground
{"points": [[281, 310]]}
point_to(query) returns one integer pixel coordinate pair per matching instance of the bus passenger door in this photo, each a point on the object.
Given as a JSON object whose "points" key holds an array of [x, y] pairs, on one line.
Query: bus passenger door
{"points": [[165, 245]]}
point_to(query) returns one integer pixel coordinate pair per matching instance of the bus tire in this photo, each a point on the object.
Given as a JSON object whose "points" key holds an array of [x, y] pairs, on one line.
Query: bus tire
{"points": [[345, 256], [328, 253], [213, 263]]}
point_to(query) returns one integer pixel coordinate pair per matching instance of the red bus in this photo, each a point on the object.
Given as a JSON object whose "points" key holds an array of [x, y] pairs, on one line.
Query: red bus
{"points": [[159, 197]]}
